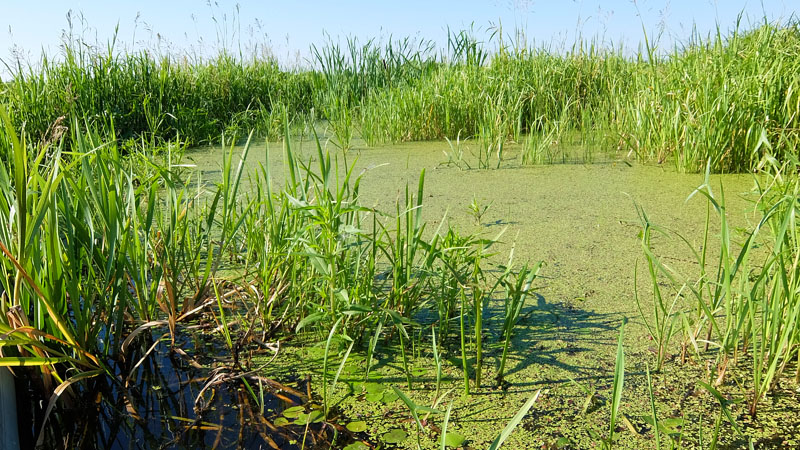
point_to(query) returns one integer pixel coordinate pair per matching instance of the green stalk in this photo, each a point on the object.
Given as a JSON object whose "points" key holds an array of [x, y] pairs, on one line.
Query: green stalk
{"points": [[478, 301], [653, 413], [619, 383], [437, 360], [464, 363]]}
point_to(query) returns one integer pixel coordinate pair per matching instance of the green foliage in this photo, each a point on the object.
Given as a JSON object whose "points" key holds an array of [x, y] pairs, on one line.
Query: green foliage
{"points": [[749, 304], [708, 99], [506, 432]]}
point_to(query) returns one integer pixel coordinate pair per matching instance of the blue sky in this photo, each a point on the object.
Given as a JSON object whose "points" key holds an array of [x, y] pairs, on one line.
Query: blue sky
{"points": [[289, 27]]}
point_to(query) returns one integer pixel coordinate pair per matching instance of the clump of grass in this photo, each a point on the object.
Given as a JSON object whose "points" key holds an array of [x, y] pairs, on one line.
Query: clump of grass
{"points": [[746, 309], [516, 292]]}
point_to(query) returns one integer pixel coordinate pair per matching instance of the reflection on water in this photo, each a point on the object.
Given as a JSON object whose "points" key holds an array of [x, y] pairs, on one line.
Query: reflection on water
{"points": [[175, 400]]}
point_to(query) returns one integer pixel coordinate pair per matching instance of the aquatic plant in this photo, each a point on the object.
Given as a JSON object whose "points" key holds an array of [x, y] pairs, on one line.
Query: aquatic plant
{"points": [[748, 308], [107, 236], [509, 428], [618, 386], [516, 292]]}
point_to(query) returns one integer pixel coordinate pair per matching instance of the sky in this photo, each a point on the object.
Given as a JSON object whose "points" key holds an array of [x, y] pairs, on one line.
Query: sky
{"points": [[287, 28]]}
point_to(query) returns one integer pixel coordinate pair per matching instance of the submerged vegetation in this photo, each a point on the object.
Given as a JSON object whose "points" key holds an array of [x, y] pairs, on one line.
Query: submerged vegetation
{"points": [[117, 251]]}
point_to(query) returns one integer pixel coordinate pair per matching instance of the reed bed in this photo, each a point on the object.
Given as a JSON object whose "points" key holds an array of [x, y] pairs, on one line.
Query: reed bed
{"points": [[741, 306], [159, 97], [709, 98]]}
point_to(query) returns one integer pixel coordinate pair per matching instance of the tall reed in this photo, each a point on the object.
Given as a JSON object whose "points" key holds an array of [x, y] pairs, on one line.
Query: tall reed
{"points": [[707, 99]]}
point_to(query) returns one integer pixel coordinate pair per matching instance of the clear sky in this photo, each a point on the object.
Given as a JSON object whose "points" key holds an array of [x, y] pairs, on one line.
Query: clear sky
{"points": [[288, 27]]}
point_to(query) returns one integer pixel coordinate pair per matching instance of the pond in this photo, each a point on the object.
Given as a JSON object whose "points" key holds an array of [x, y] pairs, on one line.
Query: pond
{"points": [[579, 218]]}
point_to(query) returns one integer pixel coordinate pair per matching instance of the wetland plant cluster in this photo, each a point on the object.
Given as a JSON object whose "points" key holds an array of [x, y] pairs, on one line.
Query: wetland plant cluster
{"points": [[98, 255], [741, 304], [709, 98]]}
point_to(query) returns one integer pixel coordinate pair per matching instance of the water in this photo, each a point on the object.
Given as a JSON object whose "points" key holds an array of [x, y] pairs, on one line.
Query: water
{"points": [[157, 405]]}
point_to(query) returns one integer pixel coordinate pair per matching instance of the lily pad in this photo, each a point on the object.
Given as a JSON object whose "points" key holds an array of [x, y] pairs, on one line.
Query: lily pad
{"points": [[301, 420], [389, 397], [312, 417], [395, 436], [670, 425], [357, 427], [374, 388], [376, 397], [454, 439]]}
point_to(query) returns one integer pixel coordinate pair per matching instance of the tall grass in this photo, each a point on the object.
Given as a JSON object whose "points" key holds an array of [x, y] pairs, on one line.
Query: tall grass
{"points": [[708, 98], [161, 97], [102, 241], [747, 307], [100, 247]]}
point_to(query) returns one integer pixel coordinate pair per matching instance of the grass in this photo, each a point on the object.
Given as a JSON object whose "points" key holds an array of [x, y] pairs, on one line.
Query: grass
{"points": [[707, 99], [107, 234], [138, 256], [516, 291], [749, 308]]}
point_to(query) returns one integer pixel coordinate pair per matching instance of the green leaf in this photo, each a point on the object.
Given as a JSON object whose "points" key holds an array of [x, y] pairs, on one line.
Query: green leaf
{"points": [[294, 412], [280, 422], [619, 381], [19, 361], [312, 417], [358, 445], [355, 309], [444, 426], [375, 388], [425, 409], [318, 262], [454, 439], [668, 426], [357, 427], [395, 436], [316, 416], [389, 397], [723, 403], [302, 419], [308, 320], [514, 421], [376, 397]]}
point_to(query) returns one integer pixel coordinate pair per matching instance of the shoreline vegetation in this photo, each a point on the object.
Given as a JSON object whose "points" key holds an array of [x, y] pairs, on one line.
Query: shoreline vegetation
{"points": [[122, 269], [710, 98]]}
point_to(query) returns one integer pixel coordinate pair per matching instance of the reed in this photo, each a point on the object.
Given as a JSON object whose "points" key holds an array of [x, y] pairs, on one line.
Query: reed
{"points": [[516, 292], [707, 99], [105, 234], [747, 308]]}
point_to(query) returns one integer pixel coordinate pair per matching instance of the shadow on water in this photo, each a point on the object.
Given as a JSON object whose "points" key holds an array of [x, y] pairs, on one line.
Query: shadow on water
{"points": [[558, 337], [174, 401], [556, 334]]}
